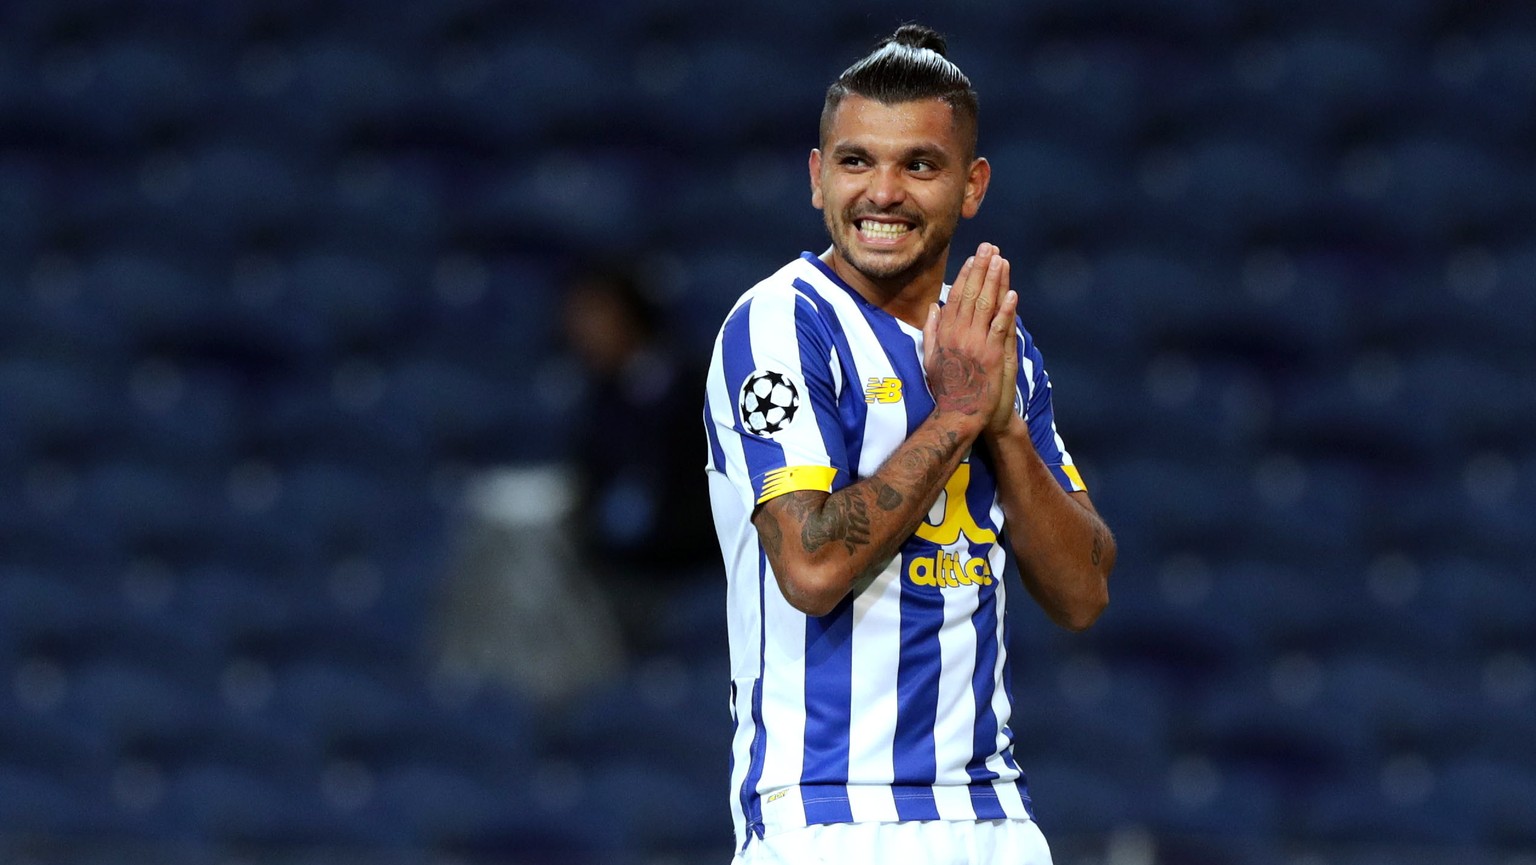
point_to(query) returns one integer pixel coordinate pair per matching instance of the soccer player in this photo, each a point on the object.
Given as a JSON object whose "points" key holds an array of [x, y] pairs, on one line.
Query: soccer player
{"points": [[880, 443]]}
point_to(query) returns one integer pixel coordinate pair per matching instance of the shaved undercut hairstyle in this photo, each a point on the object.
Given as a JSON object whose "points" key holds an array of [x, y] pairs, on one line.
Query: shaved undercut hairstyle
{"points": [[908, 66]]}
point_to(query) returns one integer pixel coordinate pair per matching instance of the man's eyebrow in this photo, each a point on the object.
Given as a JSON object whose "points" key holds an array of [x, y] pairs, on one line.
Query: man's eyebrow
{"points": [[928, 152], [850, 149], [924, 151]]}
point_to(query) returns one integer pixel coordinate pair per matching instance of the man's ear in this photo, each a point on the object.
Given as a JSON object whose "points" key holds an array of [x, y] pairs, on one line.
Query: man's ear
{"points": [[976, 181], [815, 168]]}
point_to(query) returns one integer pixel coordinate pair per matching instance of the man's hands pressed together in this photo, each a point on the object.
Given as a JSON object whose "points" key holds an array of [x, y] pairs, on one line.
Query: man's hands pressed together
{"points": [[968, 342]]}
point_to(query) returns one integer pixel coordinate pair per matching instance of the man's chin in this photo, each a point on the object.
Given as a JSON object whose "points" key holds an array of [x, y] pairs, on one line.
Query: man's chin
{"points": [[882, 271], [890, 269], [879, 267]]}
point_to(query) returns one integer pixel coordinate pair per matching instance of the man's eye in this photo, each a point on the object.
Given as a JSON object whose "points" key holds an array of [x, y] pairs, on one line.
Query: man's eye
{"points": [[920, 165], [852, 161]]}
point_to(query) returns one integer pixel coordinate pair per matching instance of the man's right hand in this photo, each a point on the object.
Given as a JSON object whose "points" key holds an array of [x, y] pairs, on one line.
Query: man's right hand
{"points": [[966, 343]]}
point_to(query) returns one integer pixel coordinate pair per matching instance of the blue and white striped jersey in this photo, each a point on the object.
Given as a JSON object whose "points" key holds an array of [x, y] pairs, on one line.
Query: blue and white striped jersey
{"points": [[895, 705]]}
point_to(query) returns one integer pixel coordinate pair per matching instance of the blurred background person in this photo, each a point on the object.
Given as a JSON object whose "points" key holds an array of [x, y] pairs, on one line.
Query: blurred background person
{"points": [[643, 517]]}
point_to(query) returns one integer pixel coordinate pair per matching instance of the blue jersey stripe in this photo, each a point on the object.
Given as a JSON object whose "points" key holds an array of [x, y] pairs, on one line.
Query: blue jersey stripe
{"points": [[817, 335], [984, 735], [716, 452], [917, 680], [1029, 804], [915, 804], [751, 803], [844, 407], [984, 800], [736, 722], [762, 455], [828, 272], [1042, 416], [828, 695]]}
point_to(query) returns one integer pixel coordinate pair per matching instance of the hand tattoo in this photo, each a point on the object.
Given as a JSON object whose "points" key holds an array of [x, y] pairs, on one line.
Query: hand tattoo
{"points": [[957, 382]]}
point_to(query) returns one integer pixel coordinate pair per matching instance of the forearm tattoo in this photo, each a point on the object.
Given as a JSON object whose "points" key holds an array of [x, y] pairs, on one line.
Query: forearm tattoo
{"points": [[958, 382], [887, 497], [771, 535], [844, 518], [1098, 543], [927, 462]]}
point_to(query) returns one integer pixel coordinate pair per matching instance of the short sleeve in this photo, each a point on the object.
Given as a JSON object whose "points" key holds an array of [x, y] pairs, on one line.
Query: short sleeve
{"points": [[774, 395], [1035, 396]]}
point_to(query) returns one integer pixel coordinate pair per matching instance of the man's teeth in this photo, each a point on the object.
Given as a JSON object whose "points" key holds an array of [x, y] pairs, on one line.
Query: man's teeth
{"points": [[884, 230]]}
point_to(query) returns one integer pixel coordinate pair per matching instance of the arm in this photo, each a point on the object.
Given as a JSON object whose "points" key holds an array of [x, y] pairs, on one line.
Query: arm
{"points": [[822, 545], [1064, 550]]}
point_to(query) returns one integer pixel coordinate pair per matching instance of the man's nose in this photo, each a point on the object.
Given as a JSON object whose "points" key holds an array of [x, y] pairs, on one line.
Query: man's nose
{"points": [[885, 187]]}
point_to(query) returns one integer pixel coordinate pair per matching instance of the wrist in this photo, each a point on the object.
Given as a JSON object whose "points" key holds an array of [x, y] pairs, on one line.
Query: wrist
{"points": [[1012, 427], [966, 426]]}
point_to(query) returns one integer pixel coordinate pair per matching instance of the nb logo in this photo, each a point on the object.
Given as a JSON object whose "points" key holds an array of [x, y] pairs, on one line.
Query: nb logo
{"points": [[947, 569], [882, 390]]}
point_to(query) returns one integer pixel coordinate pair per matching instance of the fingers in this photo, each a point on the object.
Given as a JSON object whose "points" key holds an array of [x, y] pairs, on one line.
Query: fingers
{"points": [[962, 276], [968, 284], [971, 288], [1003, 322], [977, 289], [956, 311], [973, 331], [1006, 321], [1007, 299], [992, 282]]}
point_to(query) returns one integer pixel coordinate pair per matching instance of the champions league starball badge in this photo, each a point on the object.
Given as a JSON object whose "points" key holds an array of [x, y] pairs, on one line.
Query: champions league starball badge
{"points": [[769, 402]]}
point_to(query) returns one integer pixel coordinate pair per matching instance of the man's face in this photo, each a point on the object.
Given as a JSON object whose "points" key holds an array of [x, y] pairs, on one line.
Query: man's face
{"points": [[892, 182]]}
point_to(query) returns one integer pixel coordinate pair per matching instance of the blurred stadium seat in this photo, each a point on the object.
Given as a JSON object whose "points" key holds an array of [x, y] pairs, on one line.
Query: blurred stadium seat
{"points": [[275, 278]]}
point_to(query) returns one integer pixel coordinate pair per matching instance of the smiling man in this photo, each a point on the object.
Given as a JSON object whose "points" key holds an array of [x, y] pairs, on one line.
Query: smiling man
{"points": [[880, 444]]}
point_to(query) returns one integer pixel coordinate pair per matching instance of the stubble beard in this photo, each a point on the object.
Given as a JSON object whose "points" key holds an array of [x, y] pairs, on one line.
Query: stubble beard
{"points": [[886, 269]]}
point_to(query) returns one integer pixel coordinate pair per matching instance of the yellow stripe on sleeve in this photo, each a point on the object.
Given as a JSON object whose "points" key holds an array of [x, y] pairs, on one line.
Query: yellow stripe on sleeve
{"points": [[1077, 479], [795, 478]]}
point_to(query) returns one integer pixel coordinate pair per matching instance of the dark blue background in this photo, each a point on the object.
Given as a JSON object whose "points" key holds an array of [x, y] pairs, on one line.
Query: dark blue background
{"points": [[275, 277]]}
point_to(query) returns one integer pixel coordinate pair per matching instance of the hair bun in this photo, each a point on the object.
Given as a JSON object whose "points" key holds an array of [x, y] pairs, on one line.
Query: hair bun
{"points": [[919, 36]]}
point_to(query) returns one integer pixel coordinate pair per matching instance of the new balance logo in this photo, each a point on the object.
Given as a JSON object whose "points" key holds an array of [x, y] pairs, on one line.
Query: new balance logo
{"points": [[882, 390]]}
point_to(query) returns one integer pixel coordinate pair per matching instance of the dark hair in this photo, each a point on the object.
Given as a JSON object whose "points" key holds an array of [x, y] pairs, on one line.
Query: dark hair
{"points": [[907, 66]]}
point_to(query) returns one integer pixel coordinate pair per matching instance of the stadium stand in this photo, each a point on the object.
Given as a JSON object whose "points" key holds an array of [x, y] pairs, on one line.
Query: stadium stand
{"points": [[277, 279]]}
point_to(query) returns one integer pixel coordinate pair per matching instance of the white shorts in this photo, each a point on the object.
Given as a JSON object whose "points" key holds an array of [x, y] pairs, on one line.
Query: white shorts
{"points": [[929, 842]]}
